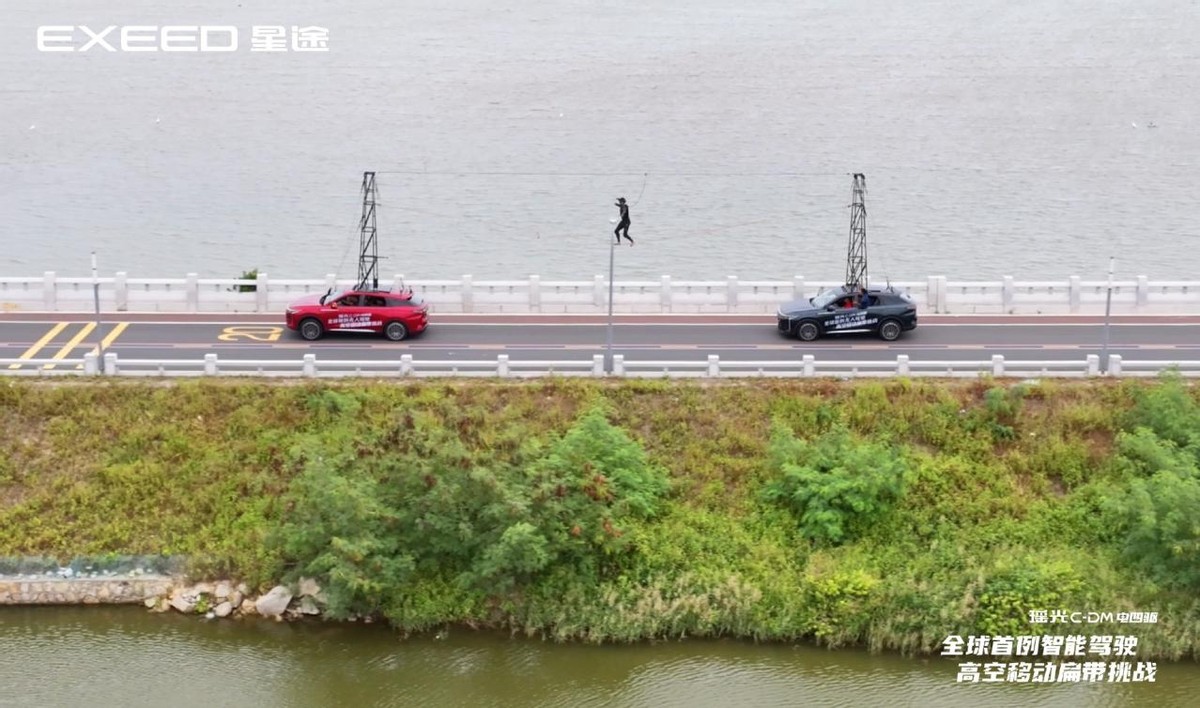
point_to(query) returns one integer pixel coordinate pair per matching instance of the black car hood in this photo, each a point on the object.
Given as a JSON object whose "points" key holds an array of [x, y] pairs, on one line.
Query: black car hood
{"points": [[797, 307]]}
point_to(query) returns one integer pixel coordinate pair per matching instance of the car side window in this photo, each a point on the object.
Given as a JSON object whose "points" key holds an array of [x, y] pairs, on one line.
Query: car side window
{"points": [[374, 301], [397, 302], [349, 301]]}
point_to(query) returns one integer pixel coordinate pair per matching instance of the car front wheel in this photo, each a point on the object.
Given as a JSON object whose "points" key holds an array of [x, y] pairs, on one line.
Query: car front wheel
{"points": [[395, 331], [311, 329], [808, 331], [889, 331]]}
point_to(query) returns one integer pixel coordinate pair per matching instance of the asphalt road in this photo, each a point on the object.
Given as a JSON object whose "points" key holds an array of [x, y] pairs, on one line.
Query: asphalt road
{"points": [[645, 338]]}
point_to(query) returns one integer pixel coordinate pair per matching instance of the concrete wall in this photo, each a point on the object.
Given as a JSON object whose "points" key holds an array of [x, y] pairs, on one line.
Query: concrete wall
{"points": [[80, 591]]}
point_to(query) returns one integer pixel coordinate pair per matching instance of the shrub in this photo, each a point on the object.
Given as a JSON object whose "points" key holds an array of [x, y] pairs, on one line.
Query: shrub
{"points": [[836, 486]]}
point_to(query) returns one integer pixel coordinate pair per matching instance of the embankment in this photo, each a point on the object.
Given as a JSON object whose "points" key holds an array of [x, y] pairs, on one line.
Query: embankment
{"points": [[884, 513]]}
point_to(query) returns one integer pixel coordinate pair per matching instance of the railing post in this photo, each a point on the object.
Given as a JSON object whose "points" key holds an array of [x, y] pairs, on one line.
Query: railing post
{"points": [[468, 295], [121, 291], [406, 365], [260, 294], [714, 366], [210, 364], [943, 305], [931, 299], [797, 287], [1006, 295], [1073, 289], [1143, 292], [665, 297], [809, 364], [330, 282], [535, 293], [1093, 364], [731, 293], [49, 292], [310, 365], [192, 292], [902, 364], [598, 290], [619, 365], [502, 365], [997, 365], [91, 364], [110, 363], [1114, 365], [598, 365]]}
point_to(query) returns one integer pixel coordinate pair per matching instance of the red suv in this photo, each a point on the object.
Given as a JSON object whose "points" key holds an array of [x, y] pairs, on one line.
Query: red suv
{"points": [[395, 314]]}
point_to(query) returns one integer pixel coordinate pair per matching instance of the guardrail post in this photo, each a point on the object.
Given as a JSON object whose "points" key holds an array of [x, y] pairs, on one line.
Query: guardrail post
{"points": [[902, 365], [714, 365], [192, 292], [110, 363], [260, 294], [1073, 289], [502, 365], [330, 282], [535, 293], [1006, 295], [618, 364], [797, 287], [997, 365], [406, 365], [731, 294], [1143, 292], [121, 291], [468, 296], [1114, 365], [931, 293], [598, 290], [809, 364], [943, 304], [91, 364], [49, 291], [598, 365], [310, 365], [210, 364], [665, 297], [1093, 364]]}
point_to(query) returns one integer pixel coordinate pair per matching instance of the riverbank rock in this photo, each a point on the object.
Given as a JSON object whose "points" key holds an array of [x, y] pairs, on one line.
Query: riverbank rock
{"points": [[224, 609], [308, 606], [309, 588], [274, 602], [223, 591], [247, 607], [183, 603]]}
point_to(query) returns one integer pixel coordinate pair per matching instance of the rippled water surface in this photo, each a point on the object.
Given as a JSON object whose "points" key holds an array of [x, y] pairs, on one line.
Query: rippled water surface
{"points": [[998, 138], [128, 657]]}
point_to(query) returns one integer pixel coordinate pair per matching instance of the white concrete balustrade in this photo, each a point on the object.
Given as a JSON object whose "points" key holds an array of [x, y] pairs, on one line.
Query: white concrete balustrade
{"points": [[934, 295], [502, 366]]}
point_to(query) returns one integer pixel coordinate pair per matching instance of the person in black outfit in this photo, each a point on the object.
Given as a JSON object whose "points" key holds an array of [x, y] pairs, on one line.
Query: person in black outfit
{"points": [[624, 224]]}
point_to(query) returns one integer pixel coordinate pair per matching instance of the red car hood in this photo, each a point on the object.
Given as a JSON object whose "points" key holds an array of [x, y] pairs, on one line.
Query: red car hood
{"points": [[307, 300]]}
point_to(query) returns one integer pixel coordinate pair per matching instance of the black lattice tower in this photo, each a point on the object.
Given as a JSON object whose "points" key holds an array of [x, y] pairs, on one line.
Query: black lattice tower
{"points": [[856, 257], [368, 247]]}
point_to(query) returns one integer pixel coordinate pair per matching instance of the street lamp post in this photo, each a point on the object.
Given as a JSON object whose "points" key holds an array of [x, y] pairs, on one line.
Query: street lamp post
{"points": [[608, 354], [99, 329], [1112, 264]]}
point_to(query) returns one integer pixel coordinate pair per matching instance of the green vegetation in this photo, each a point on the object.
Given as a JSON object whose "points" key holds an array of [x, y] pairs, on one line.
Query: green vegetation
{"points": [[883, 513]]}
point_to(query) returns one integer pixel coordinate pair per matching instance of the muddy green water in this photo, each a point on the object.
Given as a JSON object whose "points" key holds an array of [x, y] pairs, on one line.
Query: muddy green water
{"points": [[127, 657]]}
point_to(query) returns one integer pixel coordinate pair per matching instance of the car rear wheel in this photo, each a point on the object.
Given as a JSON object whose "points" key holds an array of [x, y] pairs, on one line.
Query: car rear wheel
{"points": [[311, 329], [890, 330], [807, 331], [395, 331]]}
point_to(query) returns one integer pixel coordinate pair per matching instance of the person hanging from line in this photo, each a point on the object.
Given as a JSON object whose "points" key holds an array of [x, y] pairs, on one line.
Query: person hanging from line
{"points": [[623, 225]]}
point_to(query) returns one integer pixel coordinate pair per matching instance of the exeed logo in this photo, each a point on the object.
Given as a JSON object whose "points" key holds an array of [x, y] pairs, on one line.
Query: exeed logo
{"points": [[138, 38]]}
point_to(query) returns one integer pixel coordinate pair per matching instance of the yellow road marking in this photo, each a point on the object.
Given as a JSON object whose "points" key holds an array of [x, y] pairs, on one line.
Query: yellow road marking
{"points": [[108, 340], [41, 343], [62, 353], [255, 333]]}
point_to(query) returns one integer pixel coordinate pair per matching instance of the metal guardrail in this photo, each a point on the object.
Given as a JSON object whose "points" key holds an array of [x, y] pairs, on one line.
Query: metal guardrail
{"points": [[935, 295], [504, 367]]}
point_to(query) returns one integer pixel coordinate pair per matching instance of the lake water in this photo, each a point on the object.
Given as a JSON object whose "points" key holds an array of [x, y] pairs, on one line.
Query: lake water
{"points": [[997, 138], [127, 657]]}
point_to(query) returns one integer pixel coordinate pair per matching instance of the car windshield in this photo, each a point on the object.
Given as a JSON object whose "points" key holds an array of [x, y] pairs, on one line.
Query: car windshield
{"points": [[826, 298]]}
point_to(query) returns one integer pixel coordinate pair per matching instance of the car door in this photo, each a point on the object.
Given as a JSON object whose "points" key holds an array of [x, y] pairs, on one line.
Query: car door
{"points": [[843, 318], [349, 315]]}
